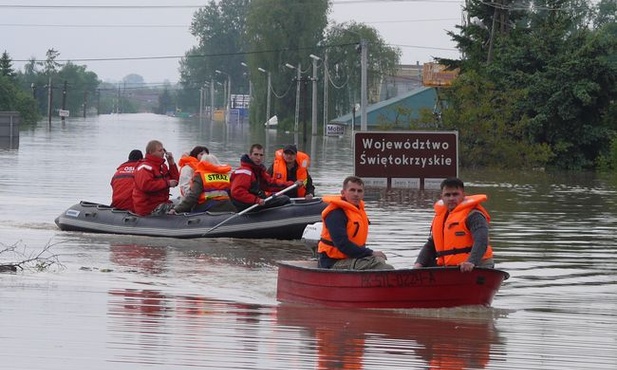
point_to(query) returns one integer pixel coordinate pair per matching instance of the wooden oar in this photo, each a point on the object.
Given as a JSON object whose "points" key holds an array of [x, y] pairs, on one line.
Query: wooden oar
{"points": [[251, 208]]}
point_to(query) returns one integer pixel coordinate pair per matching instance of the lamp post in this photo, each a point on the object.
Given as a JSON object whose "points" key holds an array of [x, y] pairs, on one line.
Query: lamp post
{"points": [[250, 83], [268, 94], [314, 102], [228, 92], [363, 84], [298, 78]]}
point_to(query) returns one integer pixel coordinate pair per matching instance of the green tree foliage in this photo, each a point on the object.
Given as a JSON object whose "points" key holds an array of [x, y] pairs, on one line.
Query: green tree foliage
{"points": [[6, 66], [557, 74], [81, 87], [12, 98], [166, 102], [344, 64], [282, 32], [220, 29]]}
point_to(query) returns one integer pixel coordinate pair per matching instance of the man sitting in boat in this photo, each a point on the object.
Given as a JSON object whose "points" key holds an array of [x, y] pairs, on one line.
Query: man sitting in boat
{"points": [[251, 183], [459, 232], [153, 179], [345, 230], [209, 190], [291, 165], [187, 164], [123, 182]]}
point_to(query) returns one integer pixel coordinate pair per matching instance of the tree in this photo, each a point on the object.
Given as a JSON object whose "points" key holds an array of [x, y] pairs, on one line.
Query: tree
{"points": [[220, 29], [281, 32], [344, 63], [14, 99], [6, 66], [82, 85], [561, 71], [50, 65]]}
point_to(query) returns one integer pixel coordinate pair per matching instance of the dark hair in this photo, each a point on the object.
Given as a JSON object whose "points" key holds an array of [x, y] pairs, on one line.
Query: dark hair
{"points": [[354, 179], [198, 149], [135, 155], [452, 182], [255, 146]]}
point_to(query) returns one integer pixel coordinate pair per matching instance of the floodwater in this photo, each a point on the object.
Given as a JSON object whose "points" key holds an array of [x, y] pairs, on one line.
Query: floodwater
{"points": [[122, 302]]}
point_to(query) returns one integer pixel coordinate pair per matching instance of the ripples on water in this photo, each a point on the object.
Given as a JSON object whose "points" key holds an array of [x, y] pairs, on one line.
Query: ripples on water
{"points": [[135, 302]]}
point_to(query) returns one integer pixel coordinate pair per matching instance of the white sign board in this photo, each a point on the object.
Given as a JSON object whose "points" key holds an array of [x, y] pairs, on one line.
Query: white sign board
{"points": [[63, 113], [335, 130]]}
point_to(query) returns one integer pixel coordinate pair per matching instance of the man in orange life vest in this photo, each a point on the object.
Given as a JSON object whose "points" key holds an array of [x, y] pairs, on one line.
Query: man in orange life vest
{"points": [[291, 165], [459, 232], [251, 184], [345, 230], [123, 181]]}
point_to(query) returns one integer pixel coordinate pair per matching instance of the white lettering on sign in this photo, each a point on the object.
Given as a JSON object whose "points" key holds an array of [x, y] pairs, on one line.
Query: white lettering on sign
{"points": [[408, 144], [405, 160]]}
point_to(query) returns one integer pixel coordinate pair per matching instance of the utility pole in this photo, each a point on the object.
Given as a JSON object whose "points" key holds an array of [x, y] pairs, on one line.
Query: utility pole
{"points": [[364, 85], [326, 80], [211, 98], [298, 78], [64, 99], [85, 102], [314, 91], [49, 100]]}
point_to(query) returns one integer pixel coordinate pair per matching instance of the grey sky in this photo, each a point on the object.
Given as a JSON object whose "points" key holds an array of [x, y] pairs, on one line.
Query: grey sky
{"points": [[121, 29]]}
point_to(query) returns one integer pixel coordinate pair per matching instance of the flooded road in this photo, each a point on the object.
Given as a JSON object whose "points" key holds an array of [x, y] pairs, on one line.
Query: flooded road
{"points": [[127, 302]]}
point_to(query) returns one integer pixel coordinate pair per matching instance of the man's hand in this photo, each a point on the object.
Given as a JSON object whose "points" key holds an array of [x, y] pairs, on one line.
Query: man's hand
{"points": [[308, 196], [467, 266], [173, 183], [380, 254]]}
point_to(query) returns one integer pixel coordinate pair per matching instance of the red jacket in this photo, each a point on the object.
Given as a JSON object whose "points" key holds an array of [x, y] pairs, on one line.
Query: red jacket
{"points": [[152, 183], [251, 182], [122, 184]]}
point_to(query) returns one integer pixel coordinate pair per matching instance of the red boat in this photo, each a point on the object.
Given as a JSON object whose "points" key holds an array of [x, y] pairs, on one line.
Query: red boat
{"points": [[304, 283]]}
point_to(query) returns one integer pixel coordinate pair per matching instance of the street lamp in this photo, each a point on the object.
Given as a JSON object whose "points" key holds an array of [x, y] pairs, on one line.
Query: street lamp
{"points": [[314, 103], [228, 95], [298, 78], [269, 92], [363, 84], [250, 83]]}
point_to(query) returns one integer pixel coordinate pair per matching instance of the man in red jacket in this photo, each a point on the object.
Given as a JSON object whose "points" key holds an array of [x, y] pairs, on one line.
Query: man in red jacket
{"points": [[123, 182], [251, 184], [153, 179]]}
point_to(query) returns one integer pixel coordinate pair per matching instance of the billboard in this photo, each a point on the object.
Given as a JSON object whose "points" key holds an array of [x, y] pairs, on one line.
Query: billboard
{"points": [[405, 159], [436, 75]]}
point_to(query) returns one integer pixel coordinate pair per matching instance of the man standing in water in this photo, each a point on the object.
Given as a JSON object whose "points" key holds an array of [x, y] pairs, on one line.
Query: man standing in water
{"points": [[345, 230], [459, 232]]}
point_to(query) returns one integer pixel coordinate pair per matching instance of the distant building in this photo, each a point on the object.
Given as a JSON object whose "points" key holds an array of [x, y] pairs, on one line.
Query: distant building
{"points": [[408, 77], [394, 112]]}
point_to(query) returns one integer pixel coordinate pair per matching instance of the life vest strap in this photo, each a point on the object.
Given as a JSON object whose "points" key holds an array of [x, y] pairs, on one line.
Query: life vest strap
{"points": [[454, 251], [327, 242]]}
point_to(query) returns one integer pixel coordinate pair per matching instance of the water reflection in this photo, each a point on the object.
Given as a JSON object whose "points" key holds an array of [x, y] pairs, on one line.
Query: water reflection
{"points": [[173, 303], [357, 339], [140, 258]]}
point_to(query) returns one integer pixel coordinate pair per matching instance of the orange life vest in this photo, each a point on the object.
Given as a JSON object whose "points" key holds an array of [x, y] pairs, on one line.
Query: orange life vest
{"points": [[215, 179], [453, 240], [357, 226], [279, 169]]}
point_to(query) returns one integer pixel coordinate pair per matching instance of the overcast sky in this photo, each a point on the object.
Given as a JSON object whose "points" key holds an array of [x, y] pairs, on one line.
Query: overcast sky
{"points": [[85, 31]]}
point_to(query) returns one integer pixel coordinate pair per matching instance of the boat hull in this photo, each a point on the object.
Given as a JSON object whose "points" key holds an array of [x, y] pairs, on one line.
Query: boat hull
{"points": [[301, 282], [286, 222]]}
